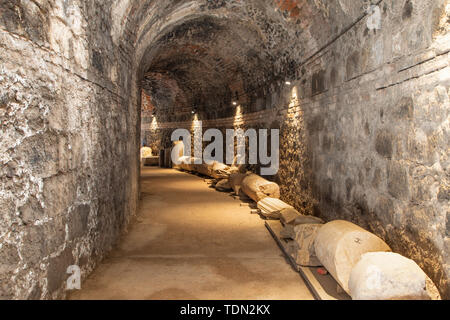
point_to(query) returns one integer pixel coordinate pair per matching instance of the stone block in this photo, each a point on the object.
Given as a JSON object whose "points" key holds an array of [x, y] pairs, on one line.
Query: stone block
{"points": [[390, 276], [339, 246], [219, 170], [151, 161], [307, 220], [78, 221], [203, 169], [9, 258], [398, 184], [223, 185], [383, 144], [235, 180]]}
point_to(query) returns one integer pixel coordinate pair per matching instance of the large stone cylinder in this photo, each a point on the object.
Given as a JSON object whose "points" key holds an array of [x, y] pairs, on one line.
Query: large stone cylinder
{"points": [[339, 245], [258, 188], [390, 276]]}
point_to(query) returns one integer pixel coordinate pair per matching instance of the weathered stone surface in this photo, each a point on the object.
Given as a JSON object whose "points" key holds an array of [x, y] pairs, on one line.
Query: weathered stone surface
{"points": [[288, 232], [305, 235], [288, 215], [365, 116], [57, 272], [146, 152], [258, 188], [271, 207], [80, 218], [223, 185], [168, 158], [389, 276], [219, 170], [307, 220], [339, 245], [235, 180], [162, 158], [151, 161], [203, 169]]}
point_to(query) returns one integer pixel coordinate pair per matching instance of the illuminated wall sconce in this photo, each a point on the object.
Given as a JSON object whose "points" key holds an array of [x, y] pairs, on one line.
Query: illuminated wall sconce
{"points": [[234, 103], [288, 83]]}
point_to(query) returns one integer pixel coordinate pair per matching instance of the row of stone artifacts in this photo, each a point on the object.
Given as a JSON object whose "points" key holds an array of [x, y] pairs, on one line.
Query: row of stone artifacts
{"points": [[362, 264]]}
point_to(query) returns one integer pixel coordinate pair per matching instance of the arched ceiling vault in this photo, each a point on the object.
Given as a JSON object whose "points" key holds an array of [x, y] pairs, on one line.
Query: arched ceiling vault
{"points": [[204, 54]]}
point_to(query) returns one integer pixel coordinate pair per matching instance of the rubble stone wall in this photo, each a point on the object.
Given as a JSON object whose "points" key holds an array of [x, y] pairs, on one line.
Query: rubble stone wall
{"points": [[69, 143]]}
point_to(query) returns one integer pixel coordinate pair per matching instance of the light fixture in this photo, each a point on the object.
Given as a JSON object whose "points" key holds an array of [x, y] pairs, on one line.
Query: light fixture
{"points": [[288, 83], [234, 103]]}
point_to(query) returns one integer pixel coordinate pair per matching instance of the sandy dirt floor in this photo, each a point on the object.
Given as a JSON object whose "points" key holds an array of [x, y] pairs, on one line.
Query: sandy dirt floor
{"points": [[191, 242]]}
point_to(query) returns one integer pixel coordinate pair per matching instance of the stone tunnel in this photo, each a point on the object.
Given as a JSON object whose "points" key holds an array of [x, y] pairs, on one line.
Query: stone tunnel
{"points": [[358, 89]]}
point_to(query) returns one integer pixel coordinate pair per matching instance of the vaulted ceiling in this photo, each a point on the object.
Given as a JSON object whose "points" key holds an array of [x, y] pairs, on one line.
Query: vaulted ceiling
{"points": [[205, 54]]}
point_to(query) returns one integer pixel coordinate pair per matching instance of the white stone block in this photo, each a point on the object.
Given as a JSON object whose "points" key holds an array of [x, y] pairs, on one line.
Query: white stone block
{"points": [[271, 207], [258, 188]]}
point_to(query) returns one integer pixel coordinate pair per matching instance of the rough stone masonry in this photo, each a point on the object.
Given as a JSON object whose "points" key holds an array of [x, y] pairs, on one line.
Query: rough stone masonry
{"points": [[364, 121]]}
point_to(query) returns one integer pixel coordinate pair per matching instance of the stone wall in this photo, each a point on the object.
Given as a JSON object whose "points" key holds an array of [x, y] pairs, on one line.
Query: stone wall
{"points": [[69, 146]]}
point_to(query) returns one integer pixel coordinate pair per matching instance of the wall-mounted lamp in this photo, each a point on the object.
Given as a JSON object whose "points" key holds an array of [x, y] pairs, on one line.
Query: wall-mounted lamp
{"points": [[288, 83], [234, 103]]}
